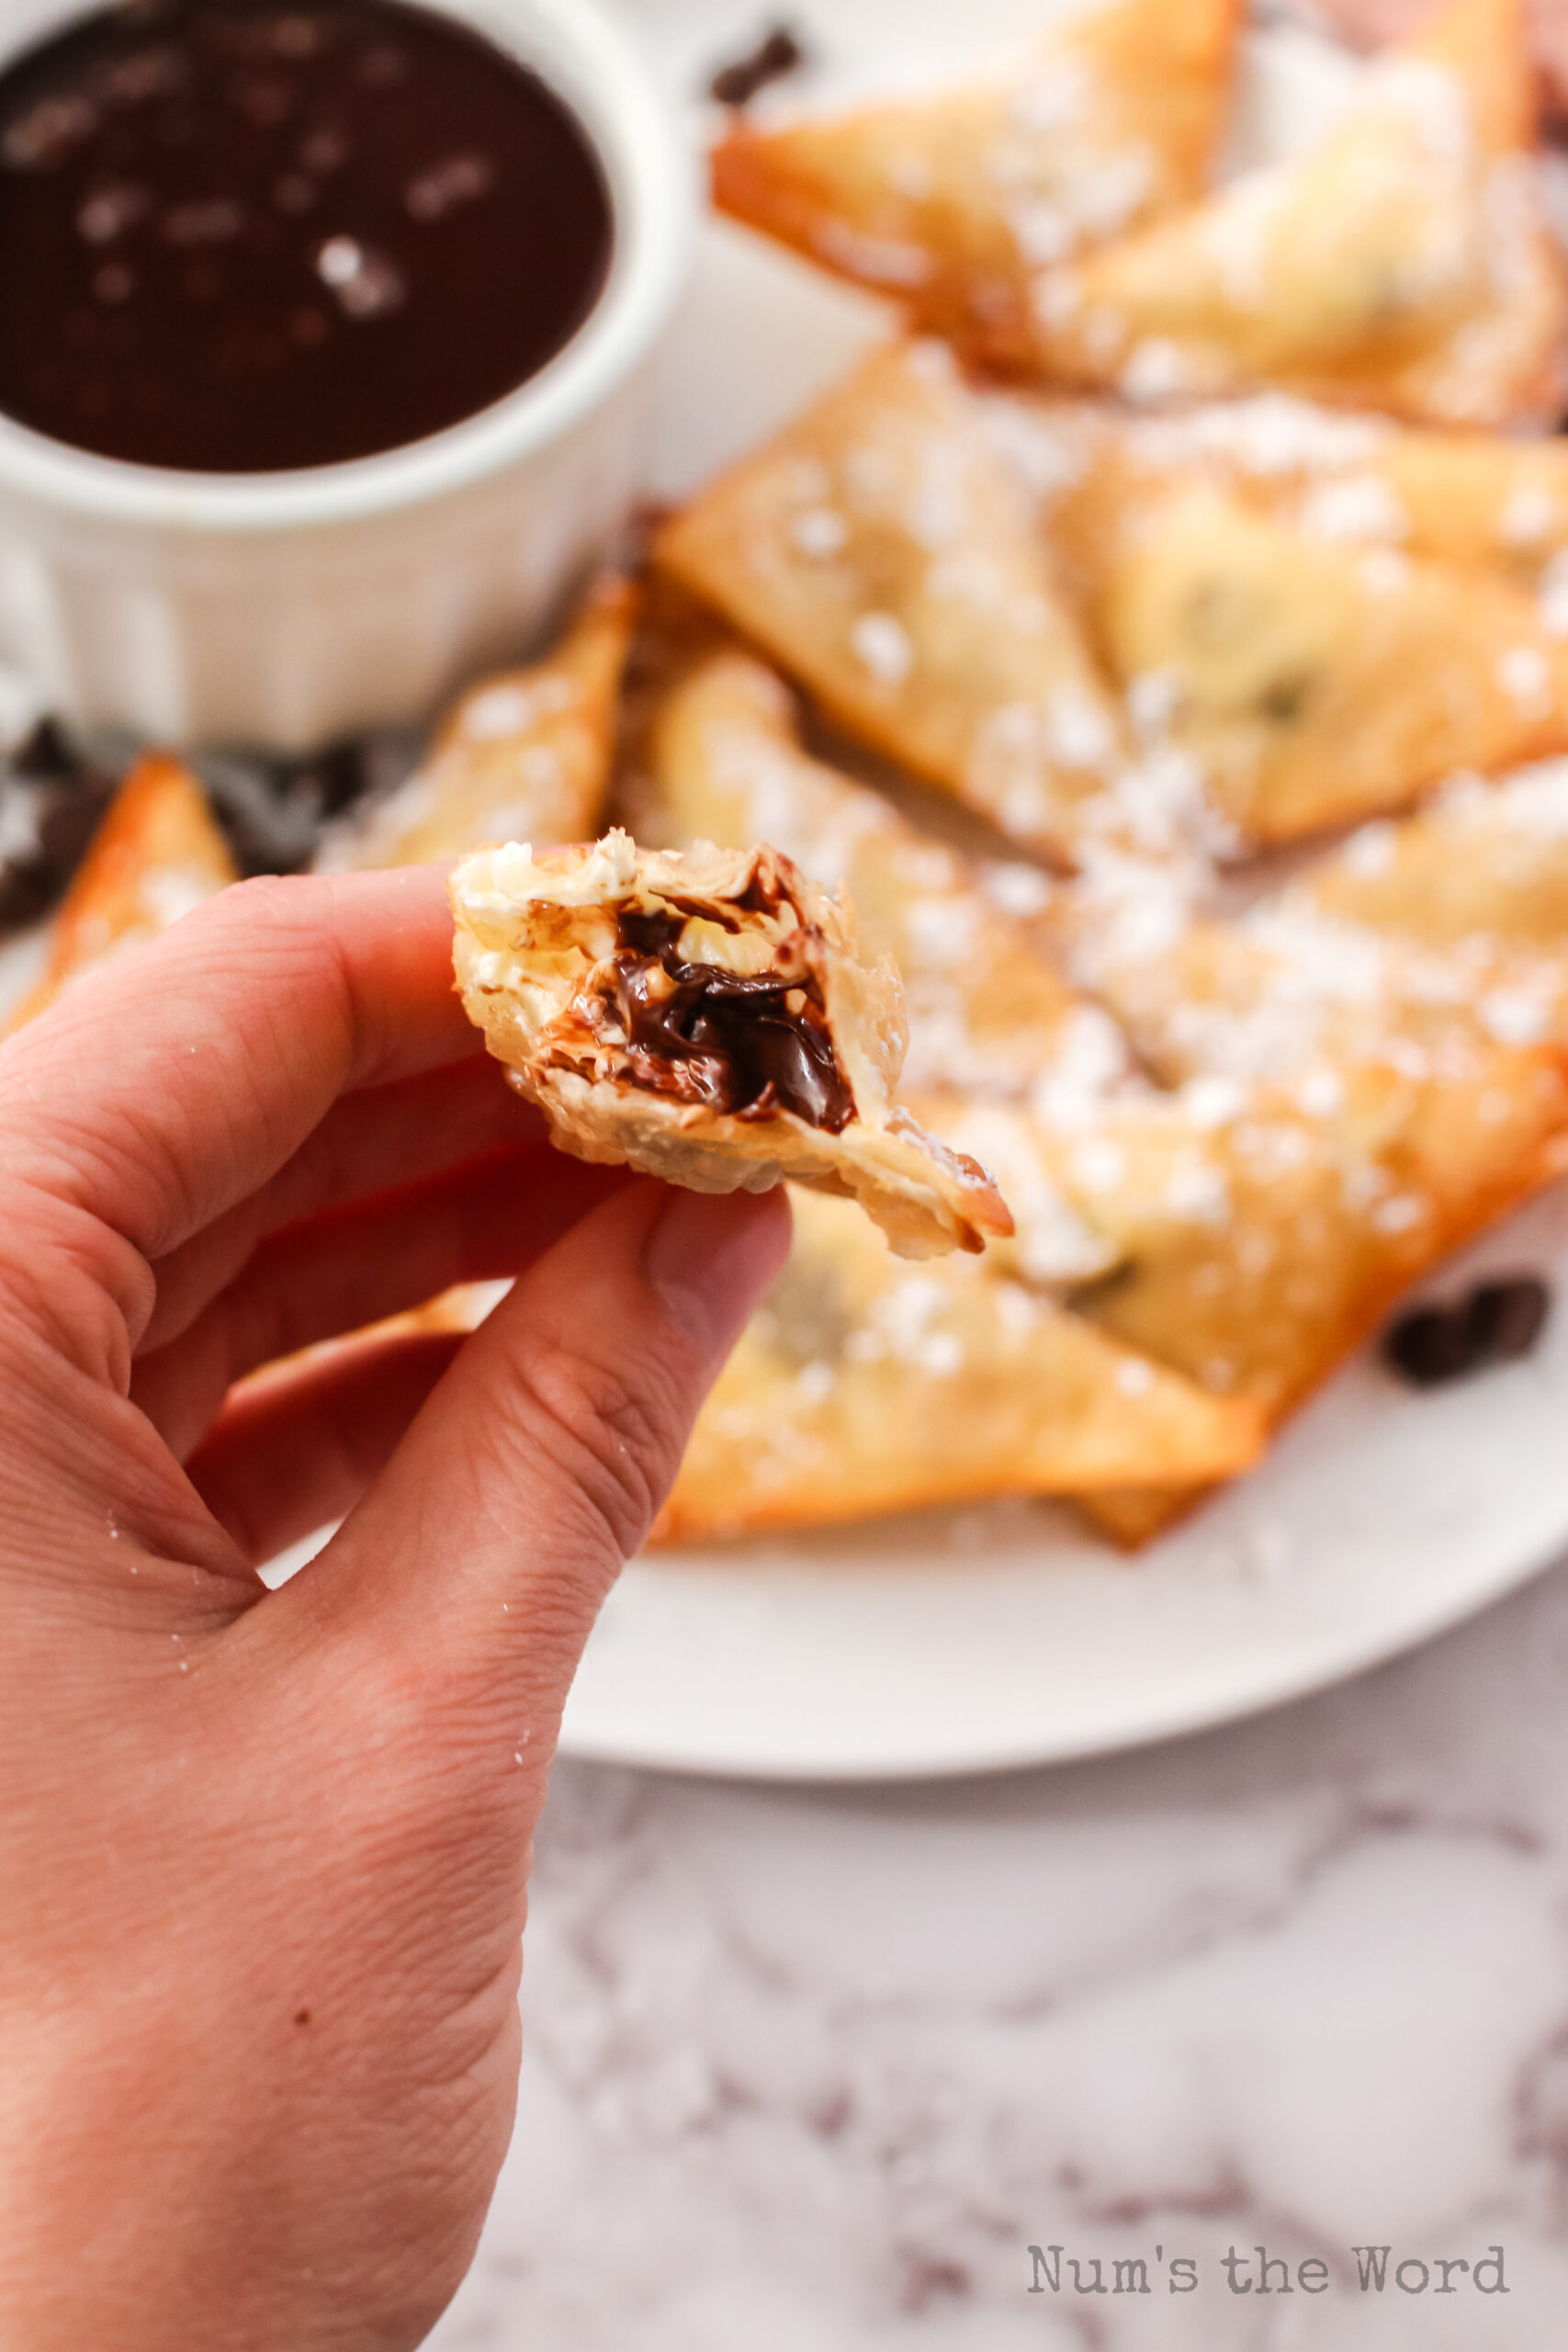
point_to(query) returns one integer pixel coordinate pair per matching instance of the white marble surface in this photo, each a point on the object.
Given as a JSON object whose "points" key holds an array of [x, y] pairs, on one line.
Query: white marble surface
{"points": [[814, 2069]]}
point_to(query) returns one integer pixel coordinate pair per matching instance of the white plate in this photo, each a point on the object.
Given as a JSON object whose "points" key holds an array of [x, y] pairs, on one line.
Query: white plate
{"points": [[966, 1641]]}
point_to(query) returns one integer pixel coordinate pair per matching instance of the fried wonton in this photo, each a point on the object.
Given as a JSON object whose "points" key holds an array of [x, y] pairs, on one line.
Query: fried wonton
{"points": [[1416, 1028], [1483, 865], [880, 552], [1477, 498], [157, 854], [1310, 682], [459, 1310], [1249, 1252], [1482, 501], [1471, 893], [1404, 262], [1453, 1158], [524, 756], [1445, 1062], [1345, 970], [1254, 1242], [705, 1018], [952, 203], [863, 1386], [987, 1012]]}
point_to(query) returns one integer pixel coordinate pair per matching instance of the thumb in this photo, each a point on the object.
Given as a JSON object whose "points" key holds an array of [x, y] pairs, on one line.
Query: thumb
{"points": [[535, 1467]]}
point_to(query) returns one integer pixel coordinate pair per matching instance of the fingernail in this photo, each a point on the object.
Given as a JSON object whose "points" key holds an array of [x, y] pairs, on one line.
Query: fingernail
{"points": [[711, 1256]]}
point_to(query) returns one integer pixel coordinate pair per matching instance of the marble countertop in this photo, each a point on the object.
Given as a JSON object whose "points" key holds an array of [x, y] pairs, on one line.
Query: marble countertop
{"points": [[816, 2069]]}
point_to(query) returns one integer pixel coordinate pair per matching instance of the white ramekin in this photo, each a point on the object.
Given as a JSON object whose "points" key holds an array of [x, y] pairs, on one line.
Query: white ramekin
{"points": [[283, 609]]}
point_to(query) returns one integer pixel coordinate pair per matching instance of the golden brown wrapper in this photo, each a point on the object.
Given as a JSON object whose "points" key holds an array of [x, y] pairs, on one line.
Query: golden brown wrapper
{"points": [[881, 553], [863, 1386], [1404, 1005], [1481, 872], [1280, 679], [951, 201], [1477, 1168], [1310, 682], [1485, 502], [523, 755], [1252, 1243], [538, 952], [988, 1011], [1404, 262], [157, 854]]}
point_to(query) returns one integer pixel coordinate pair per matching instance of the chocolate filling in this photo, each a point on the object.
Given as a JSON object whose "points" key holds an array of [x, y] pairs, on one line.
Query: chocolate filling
{"points": [[734, 1042]]}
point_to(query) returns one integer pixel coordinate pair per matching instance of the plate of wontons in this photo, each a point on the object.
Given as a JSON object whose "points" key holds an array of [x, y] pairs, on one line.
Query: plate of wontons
{"points": [[1106, 523]]}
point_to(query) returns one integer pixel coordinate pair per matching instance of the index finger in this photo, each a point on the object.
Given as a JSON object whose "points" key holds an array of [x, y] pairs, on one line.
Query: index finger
{"points": [[159, 1093]]}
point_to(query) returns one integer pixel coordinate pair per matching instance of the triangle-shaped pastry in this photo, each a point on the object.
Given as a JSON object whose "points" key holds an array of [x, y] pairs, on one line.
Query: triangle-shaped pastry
{"points": [[1247, 1251], [1256, 1241], [1446, 1065], [524, 756], [988, 1011], [1472, 892], [157, 854], [1454, 1157], [1312, 682], [1404, 1005], [705, 1017], [953, 202], [1482, 501], [1420, 951], [1481, 873], [863, 1386], [1474, 498], [880, 552], [1404, 262]]}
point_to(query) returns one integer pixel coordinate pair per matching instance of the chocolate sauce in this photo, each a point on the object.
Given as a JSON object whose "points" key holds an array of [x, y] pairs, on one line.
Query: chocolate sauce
{"points": [[724, 1038], [243, 235]]}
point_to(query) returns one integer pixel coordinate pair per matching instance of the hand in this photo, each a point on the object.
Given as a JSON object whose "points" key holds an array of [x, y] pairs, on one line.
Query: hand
{"points": [[264, 1854]]}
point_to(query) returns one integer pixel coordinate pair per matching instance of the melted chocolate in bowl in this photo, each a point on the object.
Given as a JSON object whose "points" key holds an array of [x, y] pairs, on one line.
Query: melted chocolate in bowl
{"points": [[238, 237]]}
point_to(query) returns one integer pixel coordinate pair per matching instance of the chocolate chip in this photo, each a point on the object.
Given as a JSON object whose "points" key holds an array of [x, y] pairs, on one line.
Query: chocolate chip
{"points": [[25, 893], [1507, 1318], [272, 810], [270, 824], [340, 773], [1286, 698], [54, 789], [737, 84], [1430, 1346], [1496, 1322], [47, 752], [67, 810]]}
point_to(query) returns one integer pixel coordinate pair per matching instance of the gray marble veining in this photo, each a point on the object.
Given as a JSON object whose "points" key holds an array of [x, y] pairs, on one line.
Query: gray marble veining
{"points": [[816, 2069]]}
